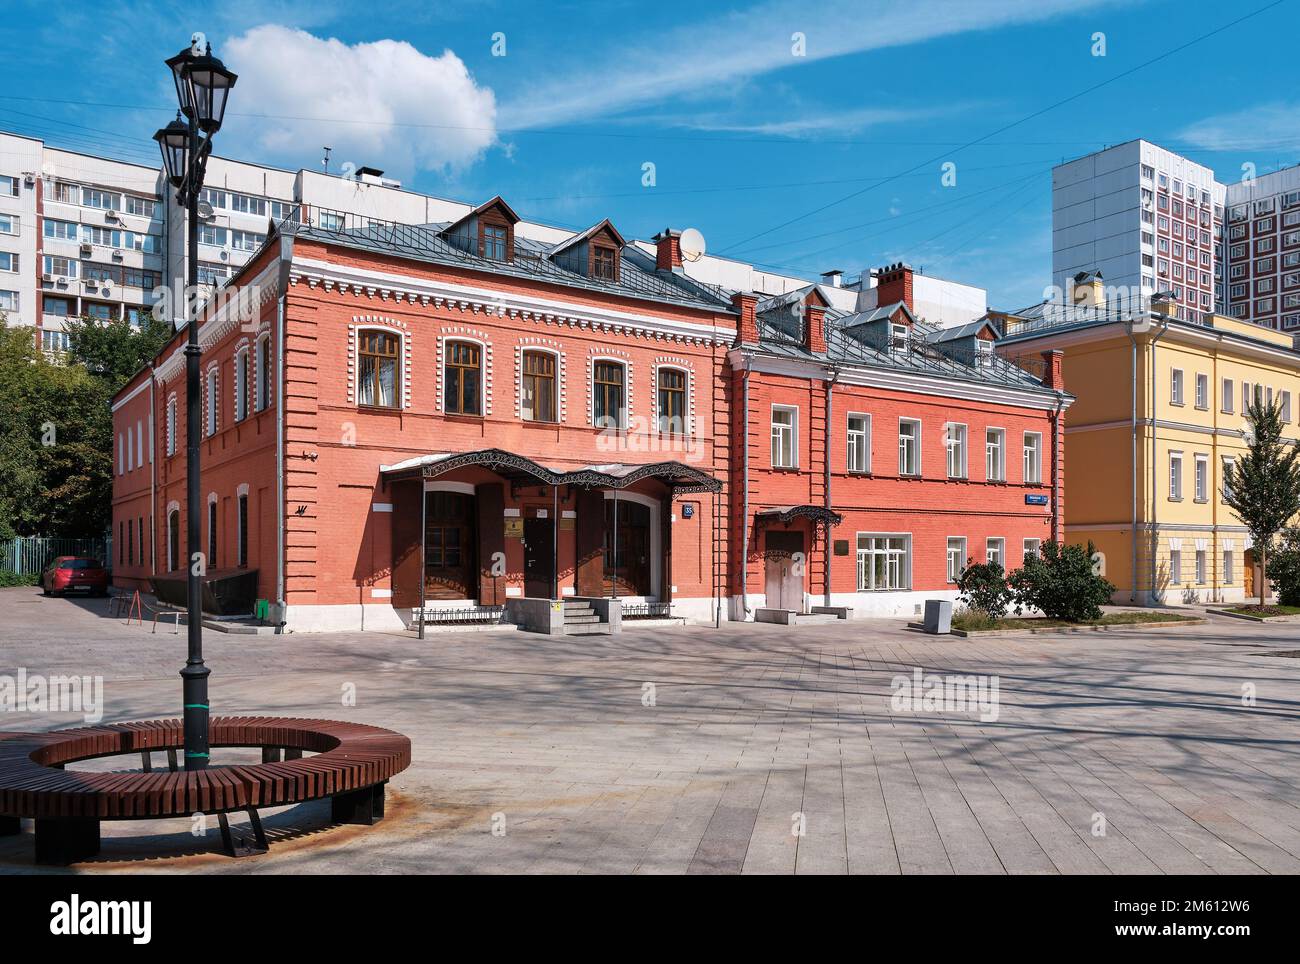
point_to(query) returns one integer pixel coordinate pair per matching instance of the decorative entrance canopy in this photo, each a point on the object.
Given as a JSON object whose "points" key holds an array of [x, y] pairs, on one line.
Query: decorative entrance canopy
{"points": [[680, 477], [788, 513]]}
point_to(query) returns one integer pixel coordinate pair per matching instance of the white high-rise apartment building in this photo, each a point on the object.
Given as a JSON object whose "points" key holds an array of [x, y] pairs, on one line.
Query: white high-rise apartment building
{"points": [[1148, 219], [1263, 249], [79, 236]]}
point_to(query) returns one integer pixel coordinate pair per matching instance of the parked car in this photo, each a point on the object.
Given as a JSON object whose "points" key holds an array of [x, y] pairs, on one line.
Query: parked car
{"points": [[75, 574]]}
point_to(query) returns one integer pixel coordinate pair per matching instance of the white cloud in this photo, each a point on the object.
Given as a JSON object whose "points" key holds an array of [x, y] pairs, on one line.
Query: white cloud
{"points": [[384, 103], [807, 124], [1274, 126], [713, 56]]}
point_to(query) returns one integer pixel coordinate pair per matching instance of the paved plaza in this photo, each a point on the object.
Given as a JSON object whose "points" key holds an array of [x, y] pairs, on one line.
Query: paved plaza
{"points": [[749, 749]]}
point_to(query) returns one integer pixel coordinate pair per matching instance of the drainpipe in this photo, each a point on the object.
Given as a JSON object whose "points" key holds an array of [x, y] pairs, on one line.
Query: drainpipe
{"points": [[153, 476], [286, 262], [1058, 524], [1155, 532], [744, 510], [830, 388], [1133, 475]]}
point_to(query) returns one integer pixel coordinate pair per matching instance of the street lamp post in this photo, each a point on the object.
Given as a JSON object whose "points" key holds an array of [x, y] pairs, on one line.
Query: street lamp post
{"points": [[202, 87]]}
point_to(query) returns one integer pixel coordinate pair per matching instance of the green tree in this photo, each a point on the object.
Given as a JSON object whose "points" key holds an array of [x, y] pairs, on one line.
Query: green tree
{"points": [[56, 439], [984, 588], [1263, 486], [116, 349]]}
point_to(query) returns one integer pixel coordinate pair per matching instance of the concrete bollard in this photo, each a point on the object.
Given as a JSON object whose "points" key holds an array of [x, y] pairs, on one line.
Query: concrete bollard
{"points": [[938, 617]]}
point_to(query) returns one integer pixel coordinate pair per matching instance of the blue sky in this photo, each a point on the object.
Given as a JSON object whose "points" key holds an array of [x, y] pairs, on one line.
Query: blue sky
{"points": [[748, 127]]}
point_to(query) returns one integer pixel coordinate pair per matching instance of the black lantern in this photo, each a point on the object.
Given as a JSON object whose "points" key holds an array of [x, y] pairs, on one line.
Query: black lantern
{"points": [[174, 142], [177, 65], [209, 84]]}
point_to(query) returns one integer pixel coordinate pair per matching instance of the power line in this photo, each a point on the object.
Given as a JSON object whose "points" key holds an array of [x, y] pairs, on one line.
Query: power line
{"points": [[1016, 123]]}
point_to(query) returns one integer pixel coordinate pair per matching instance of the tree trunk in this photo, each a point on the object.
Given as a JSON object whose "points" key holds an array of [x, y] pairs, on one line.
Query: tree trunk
{"points": [[1263, 573]]}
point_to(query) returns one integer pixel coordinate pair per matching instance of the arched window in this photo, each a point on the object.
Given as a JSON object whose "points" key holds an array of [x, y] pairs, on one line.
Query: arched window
{"points": [[171, 425], [263, 372], [212, 402], [377, 369], [173, 540], [539, 387], [608, 405], [672, 400], [464, 380], [241, 385]]}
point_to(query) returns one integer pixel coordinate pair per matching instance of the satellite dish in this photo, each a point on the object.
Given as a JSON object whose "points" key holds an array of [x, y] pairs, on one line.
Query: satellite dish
{"points": [[691, 244], [205, 210]]}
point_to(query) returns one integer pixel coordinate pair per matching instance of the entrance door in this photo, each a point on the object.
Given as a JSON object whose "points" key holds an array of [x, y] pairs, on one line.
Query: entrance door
{"points": [[449, 559], [628, 572], [784, 580], [539, 556]]}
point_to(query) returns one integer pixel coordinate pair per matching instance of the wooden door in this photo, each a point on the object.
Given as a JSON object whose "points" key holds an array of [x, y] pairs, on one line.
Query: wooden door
{"points": [[449, 557], [783, 554], [539, 557]]}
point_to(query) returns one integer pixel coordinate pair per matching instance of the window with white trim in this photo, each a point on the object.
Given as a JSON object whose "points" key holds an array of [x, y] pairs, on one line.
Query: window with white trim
{"points": [[1201, 480], [884, 561], [995, 467], [1202, 391], [956, 557], [609, 394], [1031, 547], [909, 446], [1032, 463], [1176, 386], [1175, 566], [241, 385], [263, 398], [785, 428], [955, 446], [1175, 476], [212, 402], [859, 443], [171, 426], [995, 551], [1225, 403]]}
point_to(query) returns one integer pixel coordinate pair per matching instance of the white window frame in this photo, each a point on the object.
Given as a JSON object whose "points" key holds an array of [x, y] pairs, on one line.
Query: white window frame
{"points": [[1201, 477], [210, 423], [789, 433], [955, 438], [1202, 391], [953, 572], [904, 469], [857, 444], [1175, 386], [996, 545], [1026, 550], [904, 567], [1175, 476], [1201, 567], [243, 361], [262, 372], [171, 425], [1175, 566], [1031, 466], [1225, 403], [1000, 448]]}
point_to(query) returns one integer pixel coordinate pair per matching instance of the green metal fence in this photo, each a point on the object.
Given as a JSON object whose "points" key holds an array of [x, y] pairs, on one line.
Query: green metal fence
{"points": [[28, 555]]}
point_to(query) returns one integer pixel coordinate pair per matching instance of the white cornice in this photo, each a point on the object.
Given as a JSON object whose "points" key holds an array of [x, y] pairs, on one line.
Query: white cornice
{"points": [[388, 286]]}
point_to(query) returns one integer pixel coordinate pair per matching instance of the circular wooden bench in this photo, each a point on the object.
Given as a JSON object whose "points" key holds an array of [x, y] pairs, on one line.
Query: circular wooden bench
{"points": [[351, 765]]}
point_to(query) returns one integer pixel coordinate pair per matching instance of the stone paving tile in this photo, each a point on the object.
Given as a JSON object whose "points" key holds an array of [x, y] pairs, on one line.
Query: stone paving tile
{"points": [[753, 729]]}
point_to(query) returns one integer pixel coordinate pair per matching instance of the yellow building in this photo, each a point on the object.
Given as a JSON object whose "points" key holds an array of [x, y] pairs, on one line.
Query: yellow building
{"points": [[1160, 409]]}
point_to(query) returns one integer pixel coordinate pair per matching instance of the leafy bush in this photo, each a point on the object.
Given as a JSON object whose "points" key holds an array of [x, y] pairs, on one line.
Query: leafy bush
{"points": [[1061, 582], [984, 589], [1284, 567], [968, 620], [10, 578]]}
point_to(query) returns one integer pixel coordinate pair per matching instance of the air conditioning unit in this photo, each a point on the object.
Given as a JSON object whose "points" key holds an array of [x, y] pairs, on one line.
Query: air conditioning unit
{"points": [[47, 277], [87, 250], [29, 179], [110, 216]]}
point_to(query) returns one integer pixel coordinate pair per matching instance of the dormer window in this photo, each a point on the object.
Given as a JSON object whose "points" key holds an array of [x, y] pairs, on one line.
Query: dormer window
{"points": [[983, 352], [897, 339], [604, 263], [494, 242]]}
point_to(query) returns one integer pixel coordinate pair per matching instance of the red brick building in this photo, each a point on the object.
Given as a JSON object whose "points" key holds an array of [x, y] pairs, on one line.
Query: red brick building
{"points": [[536, 416]]}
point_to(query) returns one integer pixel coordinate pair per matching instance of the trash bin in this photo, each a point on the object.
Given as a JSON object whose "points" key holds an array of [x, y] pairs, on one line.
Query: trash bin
{"points": [[938, 617]]}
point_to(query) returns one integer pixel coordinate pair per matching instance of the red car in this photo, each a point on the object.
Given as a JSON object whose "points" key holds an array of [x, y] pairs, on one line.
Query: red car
{"points": [[75, 574]]}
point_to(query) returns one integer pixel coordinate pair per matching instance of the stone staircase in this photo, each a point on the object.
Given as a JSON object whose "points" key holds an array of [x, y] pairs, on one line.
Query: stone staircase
{"points": [[580, 619]]}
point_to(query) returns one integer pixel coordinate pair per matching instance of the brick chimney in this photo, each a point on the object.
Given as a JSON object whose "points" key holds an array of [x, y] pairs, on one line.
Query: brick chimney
{"points": [[814, 328], [747, 323], [668, 249], [893, 284], [1053, 374]]}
